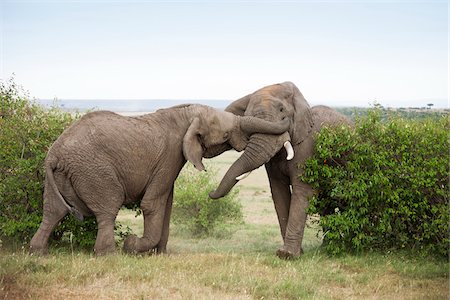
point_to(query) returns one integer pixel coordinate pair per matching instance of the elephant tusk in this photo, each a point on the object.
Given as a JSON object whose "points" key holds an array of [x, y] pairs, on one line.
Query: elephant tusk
{"points": [[240, 177], [290, 151]]}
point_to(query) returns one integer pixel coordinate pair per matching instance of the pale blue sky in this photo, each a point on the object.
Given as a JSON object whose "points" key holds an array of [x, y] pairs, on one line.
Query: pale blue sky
{"points": [[336, 52]]}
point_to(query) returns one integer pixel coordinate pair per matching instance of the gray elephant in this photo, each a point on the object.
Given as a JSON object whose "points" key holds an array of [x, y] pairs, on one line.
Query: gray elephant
{"points": [[105, 160], [290, 195]]}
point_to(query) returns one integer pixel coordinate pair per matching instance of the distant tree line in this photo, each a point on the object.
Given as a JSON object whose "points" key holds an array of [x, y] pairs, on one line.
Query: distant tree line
{"points": [[403, 112]]}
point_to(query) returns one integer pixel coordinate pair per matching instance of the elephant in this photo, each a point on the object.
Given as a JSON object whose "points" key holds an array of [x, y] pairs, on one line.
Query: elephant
{"points": [[105, 160], [290, 195]]}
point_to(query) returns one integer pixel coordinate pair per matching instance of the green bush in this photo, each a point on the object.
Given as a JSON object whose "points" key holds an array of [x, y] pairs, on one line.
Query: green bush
{"points": [[383, 185], [27, 130], [195, 212]]}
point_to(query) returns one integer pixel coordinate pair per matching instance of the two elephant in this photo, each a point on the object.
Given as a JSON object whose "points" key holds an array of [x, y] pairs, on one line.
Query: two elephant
{"points": [[104, 161]]}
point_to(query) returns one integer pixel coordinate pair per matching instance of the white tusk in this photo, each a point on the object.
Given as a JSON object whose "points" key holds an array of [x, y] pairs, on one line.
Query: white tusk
{"points": [[240, 177], [290, 151]]}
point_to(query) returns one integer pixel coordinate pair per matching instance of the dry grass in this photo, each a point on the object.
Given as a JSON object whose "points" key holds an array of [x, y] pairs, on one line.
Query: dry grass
{"points": [[242, 266], [224, 275]]}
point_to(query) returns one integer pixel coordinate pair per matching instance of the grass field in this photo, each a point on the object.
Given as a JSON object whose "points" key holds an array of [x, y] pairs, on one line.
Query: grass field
{"points": [[242, 266]]}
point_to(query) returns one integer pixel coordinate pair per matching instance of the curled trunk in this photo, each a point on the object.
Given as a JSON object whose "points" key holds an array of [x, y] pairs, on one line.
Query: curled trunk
{"points": [[255, 125]]}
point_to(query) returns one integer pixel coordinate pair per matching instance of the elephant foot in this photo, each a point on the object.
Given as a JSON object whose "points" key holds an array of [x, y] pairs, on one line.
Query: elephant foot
{"points": [[135, 245], [111, 249], [286, 254], [130, 244], [159, 250], [103, 252]]}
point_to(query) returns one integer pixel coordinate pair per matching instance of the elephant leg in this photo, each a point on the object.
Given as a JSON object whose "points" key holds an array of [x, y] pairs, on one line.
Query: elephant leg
{"points": [[53, 212], [105, 242], [162, 245], [301, 192], [106, 214], [153, 207], [103, 195], [281, 196]]}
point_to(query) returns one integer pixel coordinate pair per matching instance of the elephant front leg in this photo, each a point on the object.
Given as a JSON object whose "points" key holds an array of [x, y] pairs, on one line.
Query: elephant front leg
{"points": [[281, 196], [154, 212], [162, 245], [292, 247]]}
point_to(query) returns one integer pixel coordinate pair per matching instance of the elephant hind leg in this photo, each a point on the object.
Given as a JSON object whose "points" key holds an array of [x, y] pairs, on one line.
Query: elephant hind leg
{"points": [[103, 195], [39, 242], [105, 242], [54, 211], [105, 204]]}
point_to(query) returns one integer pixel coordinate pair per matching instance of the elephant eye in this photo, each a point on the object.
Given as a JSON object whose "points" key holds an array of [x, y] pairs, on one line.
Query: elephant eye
{"points": [[281, 109]]}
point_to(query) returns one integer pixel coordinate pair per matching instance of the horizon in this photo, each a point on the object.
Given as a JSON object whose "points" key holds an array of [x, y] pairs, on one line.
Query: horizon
{"points": [[135, 105]]}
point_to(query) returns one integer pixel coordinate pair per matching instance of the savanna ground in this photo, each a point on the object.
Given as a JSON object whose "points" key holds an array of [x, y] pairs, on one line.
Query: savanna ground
{"points": [[241, 266]]}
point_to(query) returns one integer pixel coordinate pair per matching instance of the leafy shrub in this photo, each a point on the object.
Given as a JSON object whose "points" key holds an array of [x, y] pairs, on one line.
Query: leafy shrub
{"points": [[194, 211], [27, 130], [383, 185]]}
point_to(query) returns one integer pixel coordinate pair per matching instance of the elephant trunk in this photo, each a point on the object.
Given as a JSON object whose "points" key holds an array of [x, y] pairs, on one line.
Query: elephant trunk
{"points": [[260, 149], [256, 125]]}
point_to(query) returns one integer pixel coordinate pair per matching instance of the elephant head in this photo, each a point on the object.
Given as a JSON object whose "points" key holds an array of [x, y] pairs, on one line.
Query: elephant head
{"points": [[272, 103], [212, 131]]}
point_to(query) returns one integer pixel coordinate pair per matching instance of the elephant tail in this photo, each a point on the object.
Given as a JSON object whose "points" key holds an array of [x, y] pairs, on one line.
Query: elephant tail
{"points": [[51, 179]]}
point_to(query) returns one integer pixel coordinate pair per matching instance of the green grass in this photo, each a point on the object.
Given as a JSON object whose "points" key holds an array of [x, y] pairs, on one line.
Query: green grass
{"points": [[242, 265], [222, 273]]}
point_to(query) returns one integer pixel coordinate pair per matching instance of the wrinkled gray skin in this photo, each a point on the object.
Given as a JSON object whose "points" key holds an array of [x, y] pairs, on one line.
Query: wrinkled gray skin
{"points": [[105, 160], [290, 195]]}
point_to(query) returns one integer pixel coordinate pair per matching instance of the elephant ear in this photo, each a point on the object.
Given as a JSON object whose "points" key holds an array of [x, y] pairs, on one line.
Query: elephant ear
{"points": [[302, 114], [239, 106], [192, 148]]}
